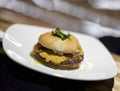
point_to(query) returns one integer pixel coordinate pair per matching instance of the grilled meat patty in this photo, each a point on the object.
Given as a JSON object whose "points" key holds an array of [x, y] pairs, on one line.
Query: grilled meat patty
{"points": [[57, 59]]}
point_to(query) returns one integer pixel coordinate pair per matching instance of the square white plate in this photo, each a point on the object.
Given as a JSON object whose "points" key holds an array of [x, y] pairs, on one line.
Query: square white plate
{"points": [[98, 63]]}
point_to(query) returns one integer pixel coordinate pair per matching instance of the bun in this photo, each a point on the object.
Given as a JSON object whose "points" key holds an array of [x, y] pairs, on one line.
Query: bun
{"points": [[70, 45]]}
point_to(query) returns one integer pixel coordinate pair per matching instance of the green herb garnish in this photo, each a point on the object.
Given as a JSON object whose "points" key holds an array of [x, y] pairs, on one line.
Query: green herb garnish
{"points": [[60, 34]]}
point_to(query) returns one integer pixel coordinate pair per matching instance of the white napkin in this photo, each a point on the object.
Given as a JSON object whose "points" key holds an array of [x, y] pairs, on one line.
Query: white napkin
{"points": [[105, 4], [83, 20], [78, 12]]}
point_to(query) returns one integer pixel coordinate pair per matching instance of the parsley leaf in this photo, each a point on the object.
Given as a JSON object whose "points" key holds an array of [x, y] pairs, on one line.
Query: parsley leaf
{"points": [[60, 34]]}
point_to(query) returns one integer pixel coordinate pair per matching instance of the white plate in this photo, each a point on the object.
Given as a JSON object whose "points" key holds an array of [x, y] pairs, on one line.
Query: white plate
{"points": [[98, 64]]}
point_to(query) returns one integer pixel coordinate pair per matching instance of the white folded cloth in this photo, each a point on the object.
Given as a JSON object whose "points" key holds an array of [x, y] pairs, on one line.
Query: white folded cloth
{"points": [[105, 4], [66, 15], [77, 11]]}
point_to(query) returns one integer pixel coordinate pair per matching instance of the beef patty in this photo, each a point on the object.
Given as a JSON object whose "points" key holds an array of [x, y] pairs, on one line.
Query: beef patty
{"points": [[72, 60]]}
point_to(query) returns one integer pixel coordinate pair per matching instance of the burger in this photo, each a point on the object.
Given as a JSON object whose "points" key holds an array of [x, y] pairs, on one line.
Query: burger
{"points": [[58, 50]]}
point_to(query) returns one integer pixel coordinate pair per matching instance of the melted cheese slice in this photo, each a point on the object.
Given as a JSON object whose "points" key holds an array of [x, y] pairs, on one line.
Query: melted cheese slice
{"points": [[53, 58]]}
